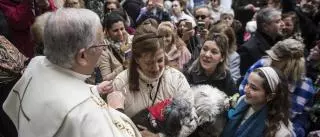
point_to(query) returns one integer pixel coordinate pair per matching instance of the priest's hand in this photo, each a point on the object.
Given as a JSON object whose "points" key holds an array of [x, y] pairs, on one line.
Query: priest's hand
{"points": [[105, 87]]}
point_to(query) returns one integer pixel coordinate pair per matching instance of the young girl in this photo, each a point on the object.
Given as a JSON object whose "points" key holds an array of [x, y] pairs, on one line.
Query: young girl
{"points": [[264, 109], [176, 50], [288, 57]]}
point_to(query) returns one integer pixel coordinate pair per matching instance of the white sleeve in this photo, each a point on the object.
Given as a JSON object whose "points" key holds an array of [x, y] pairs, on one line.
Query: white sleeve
{"points": [[181, 82], [86, 120]]}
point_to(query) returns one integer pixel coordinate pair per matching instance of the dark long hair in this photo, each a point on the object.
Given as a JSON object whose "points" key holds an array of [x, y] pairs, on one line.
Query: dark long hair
{"points": [[278, 106], [222, 42], [110, 19], [146, 40]]}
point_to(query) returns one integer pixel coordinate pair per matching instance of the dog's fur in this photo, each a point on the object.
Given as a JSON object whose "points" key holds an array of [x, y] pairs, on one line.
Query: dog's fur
{"points": [[202, 106]]}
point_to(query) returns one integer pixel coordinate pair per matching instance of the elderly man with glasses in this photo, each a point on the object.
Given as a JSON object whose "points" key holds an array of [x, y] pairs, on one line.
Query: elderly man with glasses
{"points": [[52, 99]]}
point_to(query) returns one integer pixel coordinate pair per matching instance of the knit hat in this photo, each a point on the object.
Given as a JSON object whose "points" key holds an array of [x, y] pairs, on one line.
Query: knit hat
{"points": [[288, 48]]}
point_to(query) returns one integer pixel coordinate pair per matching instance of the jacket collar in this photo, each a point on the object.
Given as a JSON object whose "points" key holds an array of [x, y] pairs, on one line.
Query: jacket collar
{"points": [[201, 77], [147, 79], [77, 75], [265, 42]]}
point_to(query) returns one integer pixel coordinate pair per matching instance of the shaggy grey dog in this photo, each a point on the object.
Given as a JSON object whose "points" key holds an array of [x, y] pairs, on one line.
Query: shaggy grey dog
{"points": [[197, 112], [210, 104]]}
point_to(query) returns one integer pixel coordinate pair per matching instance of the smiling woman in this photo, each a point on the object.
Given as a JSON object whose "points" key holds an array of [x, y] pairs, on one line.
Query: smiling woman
{"points": [[211, 66], [115, 57], [258, 112], [148, 80]]}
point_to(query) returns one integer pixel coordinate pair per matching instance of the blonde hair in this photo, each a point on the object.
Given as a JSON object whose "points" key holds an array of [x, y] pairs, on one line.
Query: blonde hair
{"points": [[165, 29], [292, 68], [288, 56], [37, 27]]}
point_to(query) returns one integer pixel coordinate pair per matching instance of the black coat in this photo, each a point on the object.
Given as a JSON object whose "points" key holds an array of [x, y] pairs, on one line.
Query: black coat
{"points": [[253, 50], [132, 7], [244, 15], [224, 84]]}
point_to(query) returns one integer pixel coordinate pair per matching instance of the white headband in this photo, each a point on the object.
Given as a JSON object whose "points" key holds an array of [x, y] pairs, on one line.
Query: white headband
{"points": [[272, 77]]}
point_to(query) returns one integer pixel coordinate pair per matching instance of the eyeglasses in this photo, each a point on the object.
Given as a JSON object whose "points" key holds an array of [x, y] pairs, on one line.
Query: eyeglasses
{"points": [[201, 16], [99, 45]]}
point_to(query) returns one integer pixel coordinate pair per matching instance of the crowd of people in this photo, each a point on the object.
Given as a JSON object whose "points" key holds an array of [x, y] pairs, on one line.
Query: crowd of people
{"points": [[72, 68]]}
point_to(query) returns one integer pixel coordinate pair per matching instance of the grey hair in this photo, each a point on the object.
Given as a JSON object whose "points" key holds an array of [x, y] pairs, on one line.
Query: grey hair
{"points": [[202, 6], [265, 16], [66, 32]]}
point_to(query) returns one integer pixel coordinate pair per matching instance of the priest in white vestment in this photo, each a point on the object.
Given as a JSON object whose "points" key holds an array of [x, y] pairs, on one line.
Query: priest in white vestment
{"points": [[51, 99]]}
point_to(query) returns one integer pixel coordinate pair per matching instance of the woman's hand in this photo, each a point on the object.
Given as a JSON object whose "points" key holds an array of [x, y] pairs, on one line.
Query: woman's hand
{"points": [[105, 87], [146, 133], [116, 100]]}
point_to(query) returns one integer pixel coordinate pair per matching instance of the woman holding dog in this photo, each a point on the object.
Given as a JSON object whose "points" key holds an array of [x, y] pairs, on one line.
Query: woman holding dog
{"points": [[264, 109], [211, 66], [148, 80]]}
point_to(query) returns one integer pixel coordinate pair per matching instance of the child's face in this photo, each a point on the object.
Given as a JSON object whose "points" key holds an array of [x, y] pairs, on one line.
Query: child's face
{"points": [[227, 18], [167, 39]]}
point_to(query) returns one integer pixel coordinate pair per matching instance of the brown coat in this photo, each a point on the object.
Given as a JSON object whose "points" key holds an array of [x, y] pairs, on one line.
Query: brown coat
{"points": [[109, 65]]}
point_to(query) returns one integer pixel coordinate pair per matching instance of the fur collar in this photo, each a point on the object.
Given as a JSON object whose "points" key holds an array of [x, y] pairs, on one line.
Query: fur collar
{"points": [[147, 79]]}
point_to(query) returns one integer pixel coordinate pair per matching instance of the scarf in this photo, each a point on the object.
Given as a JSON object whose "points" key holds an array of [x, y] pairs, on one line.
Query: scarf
{"points": [[252, 127]]}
